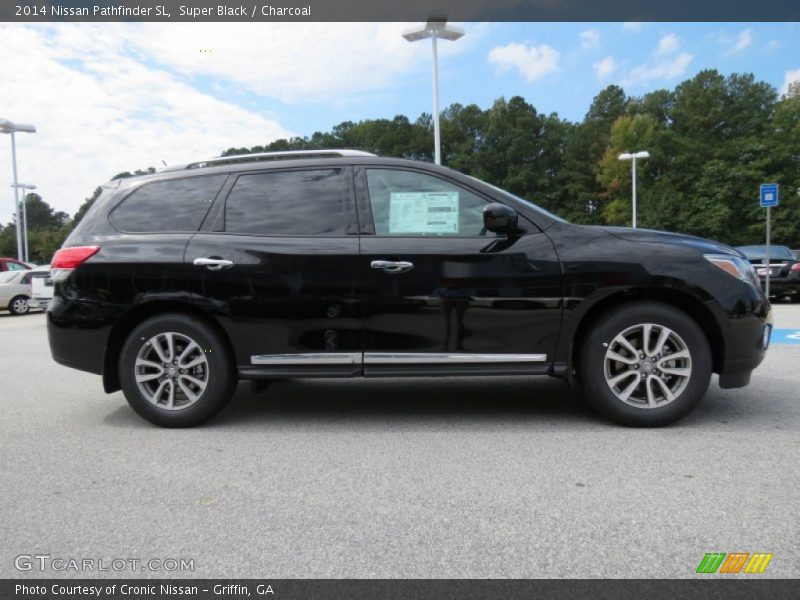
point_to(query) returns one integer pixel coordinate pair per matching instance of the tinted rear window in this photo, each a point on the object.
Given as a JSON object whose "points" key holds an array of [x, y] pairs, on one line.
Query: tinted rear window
{"points": [[760, 252], [308, 202], [175, 205]]}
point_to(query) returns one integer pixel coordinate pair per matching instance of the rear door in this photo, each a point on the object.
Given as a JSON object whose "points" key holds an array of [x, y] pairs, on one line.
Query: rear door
{"points": [[441, 294], [278, 269]]}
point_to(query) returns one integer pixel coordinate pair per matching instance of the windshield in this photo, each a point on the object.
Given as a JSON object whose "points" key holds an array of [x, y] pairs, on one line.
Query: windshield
{"points": [[528, 202], [759, 252]]}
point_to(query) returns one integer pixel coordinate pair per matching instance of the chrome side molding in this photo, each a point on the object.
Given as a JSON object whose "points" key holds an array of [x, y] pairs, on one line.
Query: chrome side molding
{"points": [[320, 358], [444, 358], [392, 358]]}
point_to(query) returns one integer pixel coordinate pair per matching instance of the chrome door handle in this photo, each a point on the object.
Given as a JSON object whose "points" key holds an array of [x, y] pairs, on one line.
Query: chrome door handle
{"points": [[213, 264], [392, 266]]}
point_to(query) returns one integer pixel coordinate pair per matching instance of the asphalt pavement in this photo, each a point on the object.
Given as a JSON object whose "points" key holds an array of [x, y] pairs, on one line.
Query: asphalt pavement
{"points": [[429, 478]]}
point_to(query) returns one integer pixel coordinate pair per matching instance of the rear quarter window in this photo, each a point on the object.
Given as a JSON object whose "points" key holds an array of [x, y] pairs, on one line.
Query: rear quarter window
{"points": [[176, 205]]}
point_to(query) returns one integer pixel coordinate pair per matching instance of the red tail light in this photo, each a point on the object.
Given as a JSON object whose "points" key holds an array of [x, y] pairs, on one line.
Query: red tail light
{"points": [[70, 258], [796, 267]]}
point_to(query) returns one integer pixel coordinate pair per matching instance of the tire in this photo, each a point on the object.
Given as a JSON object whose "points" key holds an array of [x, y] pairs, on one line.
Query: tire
{"points": [[667, 390], [170, 396], [19, 305]]}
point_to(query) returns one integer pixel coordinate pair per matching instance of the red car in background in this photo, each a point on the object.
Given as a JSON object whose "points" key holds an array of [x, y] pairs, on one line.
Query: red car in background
{"points": [[12, 264]]}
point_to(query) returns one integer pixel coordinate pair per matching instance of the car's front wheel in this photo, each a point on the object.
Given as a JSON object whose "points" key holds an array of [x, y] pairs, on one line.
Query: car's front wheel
{"points": [[645, 364], [176, 371], [19, 306]]}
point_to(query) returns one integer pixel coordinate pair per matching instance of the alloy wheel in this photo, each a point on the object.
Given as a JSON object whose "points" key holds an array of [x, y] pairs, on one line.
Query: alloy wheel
{"points": [[647, 365], [171, 371]]}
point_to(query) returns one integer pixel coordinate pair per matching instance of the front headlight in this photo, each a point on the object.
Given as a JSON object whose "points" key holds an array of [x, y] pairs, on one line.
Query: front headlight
{"points": [[734, 266]]}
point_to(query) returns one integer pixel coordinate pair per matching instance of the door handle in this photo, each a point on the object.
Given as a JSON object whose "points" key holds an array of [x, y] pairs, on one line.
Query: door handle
{"points": [[213, 264], [392, 266]]}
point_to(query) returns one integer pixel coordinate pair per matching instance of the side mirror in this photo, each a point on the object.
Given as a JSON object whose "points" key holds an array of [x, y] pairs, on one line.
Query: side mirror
{"points": [[499, 218]]}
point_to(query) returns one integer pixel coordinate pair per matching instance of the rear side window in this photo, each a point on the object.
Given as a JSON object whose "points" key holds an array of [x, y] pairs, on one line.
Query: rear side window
{"points": [[177, 205], [308, 202]]}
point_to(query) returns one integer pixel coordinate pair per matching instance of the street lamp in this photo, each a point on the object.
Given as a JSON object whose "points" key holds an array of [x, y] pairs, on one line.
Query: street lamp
{"points": [[436, 28], [23, 187], [632, 157], [7, 126]]}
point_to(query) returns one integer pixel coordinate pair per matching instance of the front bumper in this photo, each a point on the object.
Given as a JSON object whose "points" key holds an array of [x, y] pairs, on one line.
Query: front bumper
{"points": [[746, 346]]}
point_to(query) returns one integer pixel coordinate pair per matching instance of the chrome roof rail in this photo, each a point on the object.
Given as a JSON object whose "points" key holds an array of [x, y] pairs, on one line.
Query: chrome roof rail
{"points": [[241, 158]]}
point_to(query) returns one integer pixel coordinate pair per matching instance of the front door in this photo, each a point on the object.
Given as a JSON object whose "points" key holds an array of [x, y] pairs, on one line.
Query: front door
{"points": [[443, 295]]}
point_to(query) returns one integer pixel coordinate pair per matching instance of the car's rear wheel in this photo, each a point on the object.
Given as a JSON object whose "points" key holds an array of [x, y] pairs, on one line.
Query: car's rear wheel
{"points": [[645, 364], [19, 305], [176, 371]]}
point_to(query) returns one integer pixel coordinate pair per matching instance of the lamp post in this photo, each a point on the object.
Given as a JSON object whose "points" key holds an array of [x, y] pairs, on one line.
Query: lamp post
{"points": [[23, 187], [632, 157], [435, 29], [7, 126]]}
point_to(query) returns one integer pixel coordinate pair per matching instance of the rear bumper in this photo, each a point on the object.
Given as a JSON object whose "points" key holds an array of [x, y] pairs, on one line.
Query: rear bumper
{"points": [[782, 285], [73, 344]]}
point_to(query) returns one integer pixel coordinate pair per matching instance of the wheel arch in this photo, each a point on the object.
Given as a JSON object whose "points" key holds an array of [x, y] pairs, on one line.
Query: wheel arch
{"points": [[684, 301], [136, 315]]}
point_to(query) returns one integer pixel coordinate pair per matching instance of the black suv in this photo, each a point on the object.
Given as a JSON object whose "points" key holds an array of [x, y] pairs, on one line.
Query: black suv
{"points": [[783, 267], [343, 264]]}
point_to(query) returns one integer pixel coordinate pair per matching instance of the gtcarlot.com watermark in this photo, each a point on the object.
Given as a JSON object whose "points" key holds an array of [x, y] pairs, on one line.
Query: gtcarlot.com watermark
{"points": [[46, 562]]}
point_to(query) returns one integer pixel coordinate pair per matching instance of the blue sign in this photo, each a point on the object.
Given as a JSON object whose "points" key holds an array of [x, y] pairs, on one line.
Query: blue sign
{"points": [[786, 336], [769, 194]]}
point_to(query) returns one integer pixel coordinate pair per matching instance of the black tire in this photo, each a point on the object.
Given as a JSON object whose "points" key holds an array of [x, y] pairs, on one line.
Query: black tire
{"points": [[592, 366], [217, 371], [19, 305]]}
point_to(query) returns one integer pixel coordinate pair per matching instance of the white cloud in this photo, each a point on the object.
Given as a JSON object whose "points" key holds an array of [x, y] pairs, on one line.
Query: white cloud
{"points": [[119, 96], [590, 38], [666, 69], [633, 26], [605, 67], [742, 42], [668, 44], [294, 62], [772, 45], [532, 62], [789, 78]]}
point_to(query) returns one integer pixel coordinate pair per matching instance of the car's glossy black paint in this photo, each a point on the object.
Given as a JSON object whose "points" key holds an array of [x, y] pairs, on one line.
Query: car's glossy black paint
{"points": [[534, 292]]}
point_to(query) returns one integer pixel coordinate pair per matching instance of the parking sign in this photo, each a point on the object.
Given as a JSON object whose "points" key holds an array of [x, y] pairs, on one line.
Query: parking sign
{"points": [[769, 194]]}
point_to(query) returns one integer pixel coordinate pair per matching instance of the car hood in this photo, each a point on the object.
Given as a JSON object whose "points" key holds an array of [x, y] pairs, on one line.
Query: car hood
{"points": [[664, 237]]}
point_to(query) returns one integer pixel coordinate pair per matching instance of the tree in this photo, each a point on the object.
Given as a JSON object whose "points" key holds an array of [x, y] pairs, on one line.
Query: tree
{"points": [[712, 140]]}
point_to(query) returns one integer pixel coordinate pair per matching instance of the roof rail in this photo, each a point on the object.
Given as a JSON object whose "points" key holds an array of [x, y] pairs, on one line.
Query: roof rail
{"points": [[239, 158]]}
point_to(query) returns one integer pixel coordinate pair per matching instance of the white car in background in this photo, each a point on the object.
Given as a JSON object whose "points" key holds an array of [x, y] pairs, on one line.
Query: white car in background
{"points": [[16, 289]]}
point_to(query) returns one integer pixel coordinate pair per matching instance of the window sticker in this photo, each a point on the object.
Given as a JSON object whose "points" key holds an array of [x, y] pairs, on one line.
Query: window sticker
{"points": [[423, 212]]}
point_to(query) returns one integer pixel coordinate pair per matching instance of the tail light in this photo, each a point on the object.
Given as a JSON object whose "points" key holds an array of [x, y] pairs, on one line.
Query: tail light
{"points": [[796, 266], [67, 260]]}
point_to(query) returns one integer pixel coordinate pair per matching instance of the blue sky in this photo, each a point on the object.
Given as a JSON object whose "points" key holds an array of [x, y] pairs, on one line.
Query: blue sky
{"points": [[108, 97], [769, 50]]}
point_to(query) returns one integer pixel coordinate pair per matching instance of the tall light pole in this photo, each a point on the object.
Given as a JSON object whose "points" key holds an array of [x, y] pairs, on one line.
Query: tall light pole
{"points": [[632, 157], [7, 126], [435, 29], [23, 187]]}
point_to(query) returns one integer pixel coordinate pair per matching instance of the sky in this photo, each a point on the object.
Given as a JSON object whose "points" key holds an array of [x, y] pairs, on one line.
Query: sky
{"points": [[111, 97]]}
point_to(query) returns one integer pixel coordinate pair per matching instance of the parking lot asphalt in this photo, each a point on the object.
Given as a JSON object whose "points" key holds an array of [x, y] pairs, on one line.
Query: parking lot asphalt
{"points": [[449, 478]]}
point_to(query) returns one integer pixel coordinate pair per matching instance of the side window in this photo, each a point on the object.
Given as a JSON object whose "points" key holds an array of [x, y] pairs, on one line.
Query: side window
{"points": [[26, 279], [289, 203], [175, 205], [409, 203], [15, 266]]}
